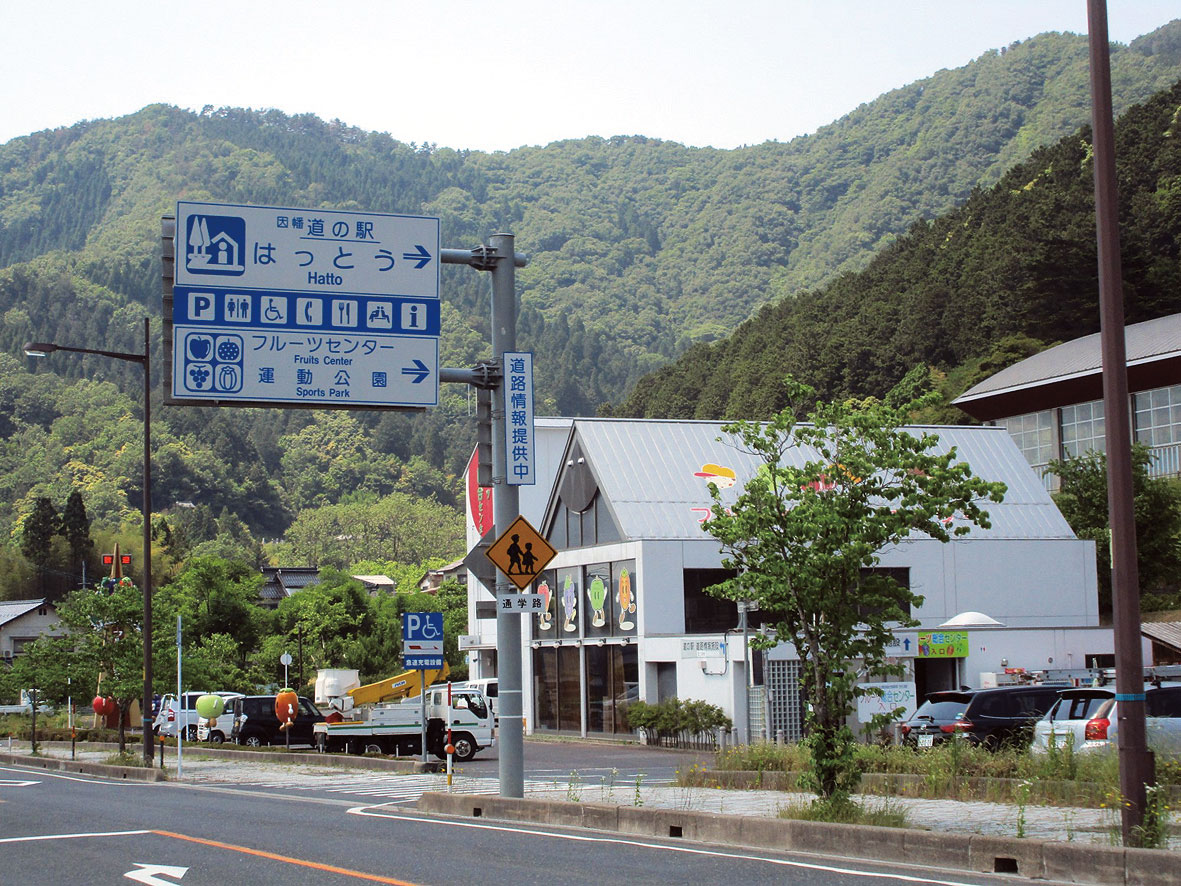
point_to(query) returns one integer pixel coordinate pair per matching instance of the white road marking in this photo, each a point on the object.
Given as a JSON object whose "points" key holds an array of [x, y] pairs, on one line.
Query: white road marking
{"points": [[150, 873], [39, 837]]}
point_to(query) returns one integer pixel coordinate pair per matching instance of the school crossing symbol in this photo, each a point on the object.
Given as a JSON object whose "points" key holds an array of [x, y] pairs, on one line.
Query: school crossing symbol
{"points": [[521, 553]]}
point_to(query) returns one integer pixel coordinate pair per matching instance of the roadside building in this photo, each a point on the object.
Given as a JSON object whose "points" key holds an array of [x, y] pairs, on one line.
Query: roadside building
{"points": [[628, 617], [280, 582], [22, 622], [1052, 403]]}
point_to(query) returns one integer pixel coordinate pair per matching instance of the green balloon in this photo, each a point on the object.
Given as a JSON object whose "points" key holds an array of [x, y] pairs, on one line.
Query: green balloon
{"points": [[210, 706]]}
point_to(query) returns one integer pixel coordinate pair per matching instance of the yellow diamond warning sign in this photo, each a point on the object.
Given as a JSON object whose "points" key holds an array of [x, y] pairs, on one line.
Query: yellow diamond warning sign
{"points": [[521, 553]]}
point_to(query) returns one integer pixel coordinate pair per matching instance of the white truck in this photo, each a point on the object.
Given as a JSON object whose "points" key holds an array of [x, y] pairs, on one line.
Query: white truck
{"points": [[395, 727]]}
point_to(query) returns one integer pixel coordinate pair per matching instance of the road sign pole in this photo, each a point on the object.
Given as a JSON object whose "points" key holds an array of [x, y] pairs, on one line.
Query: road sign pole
{"points": [[506, 504]]}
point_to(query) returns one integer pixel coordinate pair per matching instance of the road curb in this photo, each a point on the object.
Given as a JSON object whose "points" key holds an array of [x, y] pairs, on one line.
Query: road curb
{"points": [[79, 767], [347, 761], [1031, 859]]}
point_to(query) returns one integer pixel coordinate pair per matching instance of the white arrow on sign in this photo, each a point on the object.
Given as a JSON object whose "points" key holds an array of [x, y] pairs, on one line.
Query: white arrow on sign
{"points": [[149, 873]]}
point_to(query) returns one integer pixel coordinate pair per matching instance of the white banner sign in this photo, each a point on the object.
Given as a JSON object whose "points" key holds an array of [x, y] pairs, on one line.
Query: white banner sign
{"points": [[894, 695]]}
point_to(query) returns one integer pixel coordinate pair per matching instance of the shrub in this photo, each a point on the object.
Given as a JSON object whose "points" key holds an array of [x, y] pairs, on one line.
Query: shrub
{"points": [[674, 720]]}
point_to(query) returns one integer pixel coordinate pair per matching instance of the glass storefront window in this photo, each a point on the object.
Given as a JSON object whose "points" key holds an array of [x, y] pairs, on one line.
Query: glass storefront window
{"points": [[597, 620], [544, 626], [624, 591]]}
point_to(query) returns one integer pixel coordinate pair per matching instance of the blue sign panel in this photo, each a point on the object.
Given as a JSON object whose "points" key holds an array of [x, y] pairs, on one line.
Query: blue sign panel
{"points": [[422, 640], [519, 431], [303, 306]]}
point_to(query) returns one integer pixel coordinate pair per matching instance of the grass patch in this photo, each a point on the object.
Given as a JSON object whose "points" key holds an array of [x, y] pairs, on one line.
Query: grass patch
{"points": [[879, 813], [126, 758], [955, 770]]}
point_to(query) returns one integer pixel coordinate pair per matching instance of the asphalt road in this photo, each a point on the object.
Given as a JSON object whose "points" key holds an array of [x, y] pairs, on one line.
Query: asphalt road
{"points": [[58, 829]]}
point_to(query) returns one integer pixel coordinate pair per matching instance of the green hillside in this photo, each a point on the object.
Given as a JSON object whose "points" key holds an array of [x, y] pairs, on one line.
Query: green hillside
{"points": [[642, 251], [1012, 269]]}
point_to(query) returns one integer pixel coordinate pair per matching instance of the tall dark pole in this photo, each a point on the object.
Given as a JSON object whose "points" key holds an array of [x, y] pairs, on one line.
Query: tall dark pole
{"points": [[147, 568], [1135, 761]]}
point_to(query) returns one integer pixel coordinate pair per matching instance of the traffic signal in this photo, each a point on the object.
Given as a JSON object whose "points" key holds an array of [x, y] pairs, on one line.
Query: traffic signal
{"points": [[483, 437]]}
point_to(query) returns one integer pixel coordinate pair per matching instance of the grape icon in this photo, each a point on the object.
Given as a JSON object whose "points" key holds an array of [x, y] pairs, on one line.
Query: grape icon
{"points": [[198, 375], [228, 351]]}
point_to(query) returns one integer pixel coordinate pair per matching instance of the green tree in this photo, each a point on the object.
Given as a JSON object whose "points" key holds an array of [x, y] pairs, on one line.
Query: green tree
{"points": [[104, 646], [37, 535], [76, 529], [1157, 504], [803, 537]]}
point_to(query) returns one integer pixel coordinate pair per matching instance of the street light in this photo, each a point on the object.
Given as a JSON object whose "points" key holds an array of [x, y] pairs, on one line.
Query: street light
{"points": [[42, 349]]}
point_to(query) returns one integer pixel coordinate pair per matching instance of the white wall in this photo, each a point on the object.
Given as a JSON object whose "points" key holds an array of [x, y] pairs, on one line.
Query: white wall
{"points": [[1020, 582]]}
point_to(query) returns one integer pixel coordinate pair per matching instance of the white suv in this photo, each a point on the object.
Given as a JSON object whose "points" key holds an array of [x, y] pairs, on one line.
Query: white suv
{"points": [[1086, 720]]}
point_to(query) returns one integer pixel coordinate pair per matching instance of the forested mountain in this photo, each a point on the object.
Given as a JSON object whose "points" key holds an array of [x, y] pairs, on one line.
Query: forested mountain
{"points": [[640, 249], [1008, 272]]}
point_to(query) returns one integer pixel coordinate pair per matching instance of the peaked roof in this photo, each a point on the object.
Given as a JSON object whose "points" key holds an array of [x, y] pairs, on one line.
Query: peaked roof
{"points": [[651, 473], [11, 610], [1073, 372]]}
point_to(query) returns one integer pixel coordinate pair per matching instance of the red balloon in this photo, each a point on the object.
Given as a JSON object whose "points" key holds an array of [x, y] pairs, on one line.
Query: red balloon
{"points": [[99, 704]]}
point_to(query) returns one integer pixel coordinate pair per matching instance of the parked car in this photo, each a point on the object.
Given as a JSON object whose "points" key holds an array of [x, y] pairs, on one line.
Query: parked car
{"points": [[1087, 720], [990, 718], [169, 715], [220, 731], [255, 724]]}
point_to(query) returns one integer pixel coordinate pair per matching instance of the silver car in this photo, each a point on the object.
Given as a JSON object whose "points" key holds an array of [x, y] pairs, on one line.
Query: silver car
{"points": [[1086, 720]]}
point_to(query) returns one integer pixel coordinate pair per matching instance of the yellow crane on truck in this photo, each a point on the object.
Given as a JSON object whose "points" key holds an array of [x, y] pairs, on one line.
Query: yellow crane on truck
{"points": [[340, 688], [408, 684]]}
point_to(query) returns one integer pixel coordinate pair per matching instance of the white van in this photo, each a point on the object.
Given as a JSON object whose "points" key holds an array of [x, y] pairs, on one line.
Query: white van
{"points": [[185, 714], [223, 724]]}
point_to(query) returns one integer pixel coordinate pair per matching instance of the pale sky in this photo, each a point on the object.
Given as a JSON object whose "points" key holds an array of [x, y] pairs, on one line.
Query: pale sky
{"points": [[493, 76]]}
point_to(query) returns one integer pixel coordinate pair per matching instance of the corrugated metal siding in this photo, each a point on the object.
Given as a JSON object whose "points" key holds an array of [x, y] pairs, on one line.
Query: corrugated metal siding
{"points": [[646, 470]]}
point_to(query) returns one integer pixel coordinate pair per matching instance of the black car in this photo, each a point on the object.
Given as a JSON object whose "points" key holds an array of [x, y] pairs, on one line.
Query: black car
{"points": [[990, 718], [255, 723]]}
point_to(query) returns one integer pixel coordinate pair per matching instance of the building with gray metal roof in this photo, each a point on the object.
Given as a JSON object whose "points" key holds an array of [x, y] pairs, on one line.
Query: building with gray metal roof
{"points": [[627, 618], [1051, 403]]}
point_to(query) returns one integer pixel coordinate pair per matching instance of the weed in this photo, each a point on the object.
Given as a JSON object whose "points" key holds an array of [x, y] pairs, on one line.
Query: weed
{"points": [[124, 758], [637, 799], [843, 810], [574, 787], [1022, 800], [608, 786], [1153, 831]]}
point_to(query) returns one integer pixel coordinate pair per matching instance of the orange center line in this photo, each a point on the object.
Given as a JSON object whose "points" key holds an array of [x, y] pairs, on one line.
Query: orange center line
{"points": [[315, 865]]}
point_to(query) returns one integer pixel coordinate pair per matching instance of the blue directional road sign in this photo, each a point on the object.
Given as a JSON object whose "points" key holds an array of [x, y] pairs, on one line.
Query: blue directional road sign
{"points": [[422, 640], [275, 306]]}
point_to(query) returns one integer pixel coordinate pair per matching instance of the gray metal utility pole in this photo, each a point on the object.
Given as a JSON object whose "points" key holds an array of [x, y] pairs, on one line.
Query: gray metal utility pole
{"points": [[1135, 760], [500, 258]]}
